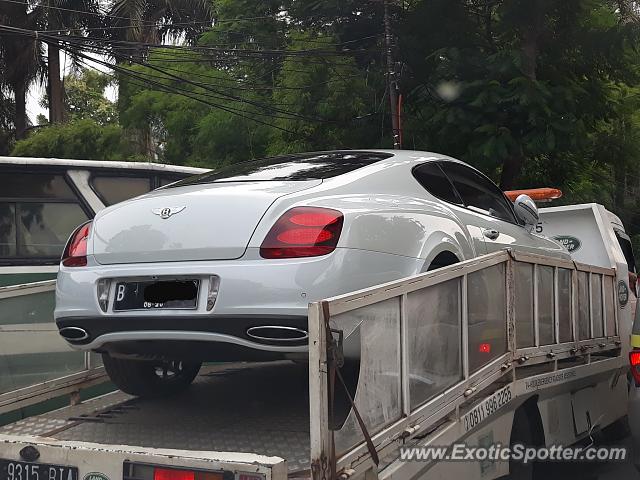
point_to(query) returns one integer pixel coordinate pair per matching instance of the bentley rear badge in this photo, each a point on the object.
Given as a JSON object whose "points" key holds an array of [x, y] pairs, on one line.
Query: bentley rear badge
{"points": [[166, 212]]}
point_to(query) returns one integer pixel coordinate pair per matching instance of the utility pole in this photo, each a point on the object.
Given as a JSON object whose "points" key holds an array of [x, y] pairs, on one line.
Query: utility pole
{"points": [[392, 80]]}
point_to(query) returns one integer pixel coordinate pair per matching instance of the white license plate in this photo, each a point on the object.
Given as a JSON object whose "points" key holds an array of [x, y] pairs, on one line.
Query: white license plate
{"points": [[14, 470], [157, 294]]}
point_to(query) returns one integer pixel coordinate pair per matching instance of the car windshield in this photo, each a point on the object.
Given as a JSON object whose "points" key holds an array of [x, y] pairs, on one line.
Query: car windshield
{"points": [[308, 166]]}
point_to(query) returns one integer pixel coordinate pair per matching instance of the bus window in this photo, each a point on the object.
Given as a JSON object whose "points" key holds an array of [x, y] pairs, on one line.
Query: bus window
{"points": [[112, 190], [38, 212], [8, 240], [43, 228]]}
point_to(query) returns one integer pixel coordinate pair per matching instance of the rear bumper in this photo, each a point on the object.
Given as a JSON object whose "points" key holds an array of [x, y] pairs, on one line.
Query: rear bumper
{"points": [[251, 292], [106, 331]]}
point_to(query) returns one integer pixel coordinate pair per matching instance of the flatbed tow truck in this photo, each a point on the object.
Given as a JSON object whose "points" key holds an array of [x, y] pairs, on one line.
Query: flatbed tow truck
{"points": [[500, 349]]}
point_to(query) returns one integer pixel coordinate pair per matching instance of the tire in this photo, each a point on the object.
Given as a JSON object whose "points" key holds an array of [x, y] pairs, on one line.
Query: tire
{"points": [[521, 432], [150, 379], [617, 431]]}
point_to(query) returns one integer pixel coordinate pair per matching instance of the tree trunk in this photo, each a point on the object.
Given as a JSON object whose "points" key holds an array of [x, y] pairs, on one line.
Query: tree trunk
{"points": [[530, 39], [20, 93], [531, 32], [511, 168], [530, 52], [56, 90], [619, 190]]}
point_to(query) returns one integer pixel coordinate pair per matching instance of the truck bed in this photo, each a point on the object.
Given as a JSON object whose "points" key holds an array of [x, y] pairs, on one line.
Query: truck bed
{"points": [[262, 409]]}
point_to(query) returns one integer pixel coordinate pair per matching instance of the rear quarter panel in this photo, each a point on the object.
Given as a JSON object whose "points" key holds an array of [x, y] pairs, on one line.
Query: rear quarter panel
{"points": [[389, 214]]}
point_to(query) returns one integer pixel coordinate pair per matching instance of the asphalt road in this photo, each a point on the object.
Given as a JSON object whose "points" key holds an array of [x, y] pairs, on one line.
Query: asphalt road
{"points": [[595, 471]]}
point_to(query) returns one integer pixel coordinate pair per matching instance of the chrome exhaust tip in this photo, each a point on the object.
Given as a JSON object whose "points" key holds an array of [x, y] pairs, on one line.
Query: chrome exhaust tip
{"points": [[74, 334], [277, 334]]}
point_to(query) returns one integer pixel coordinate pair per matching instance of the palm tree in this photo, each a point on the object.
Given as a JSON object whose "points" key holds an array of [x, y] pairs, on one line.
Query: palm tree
{"points": [[151, 22], [64, 16], [20, 57], [7, 116]]}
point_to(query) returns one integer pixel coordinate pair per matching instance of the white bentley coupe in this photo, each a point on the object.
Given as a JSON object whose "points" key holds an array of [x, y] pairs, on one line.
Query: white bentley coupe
{"points": [[221, 266]]}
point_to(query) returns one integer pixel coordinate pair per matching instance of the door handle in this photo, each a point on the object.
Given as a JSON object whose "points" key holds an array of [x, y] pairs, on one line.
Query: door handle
{"points": [[491, 233]]}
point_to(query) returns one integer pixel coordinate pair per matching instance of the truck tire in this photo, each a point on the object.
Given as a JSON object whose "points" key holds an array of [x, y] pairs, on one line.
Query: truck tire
{"points": [[521, 432], [617, 431], [148, 378]]}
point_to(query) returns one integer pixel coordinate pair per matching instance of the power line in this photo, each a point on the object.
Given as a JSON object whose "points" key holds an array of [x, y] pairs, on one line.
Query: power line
{"points": [[62, 9], [168, 88], [181, 53], [221, 94], [194, 23], [104, 50], [203, 49], [69, 43], [171, 89]]}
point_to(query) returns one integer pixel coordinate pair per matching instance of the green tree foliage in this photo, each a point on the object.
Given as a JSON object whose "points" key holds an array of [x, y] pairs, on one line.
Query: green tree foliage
{"points": [[328, 98], [92, 131], [151, 21], [186, 130], [7, 114], [522, 81], [85, 97], [20, 59], [82, 139]]}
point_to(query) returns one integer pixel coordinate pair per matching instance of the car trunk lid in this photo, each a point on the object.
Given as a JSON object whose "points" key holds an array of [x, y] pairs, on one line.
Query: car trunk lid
{"points": [[199, 222]]}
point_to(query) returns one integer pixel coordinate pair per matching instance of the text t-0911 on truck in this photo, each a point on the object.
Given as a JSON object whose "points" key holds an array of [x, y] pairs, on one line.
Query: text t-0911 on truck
{"points": [[507, 348]]}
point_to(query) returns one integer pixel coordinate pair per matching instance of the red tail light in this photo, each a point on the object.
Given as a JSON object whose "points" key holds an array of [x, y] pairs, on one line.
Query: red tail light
{"points": [[634, 360], [176, 474], [75, 253], [303, 232], [171, 474]]}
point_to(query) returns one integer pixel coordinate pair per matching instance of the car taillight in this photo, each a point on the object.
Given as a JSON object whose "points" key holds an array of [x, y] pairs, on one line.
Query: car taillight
{"points": [[178, 474], [634, 360], [75, 252], [146, 471], [303, 232], [173, 474]]}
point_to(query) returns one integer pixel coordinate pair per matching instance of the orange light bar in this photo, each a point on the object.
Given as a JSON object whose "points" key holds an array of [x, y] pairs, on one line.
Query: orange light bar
{"points": [[536, 194]]}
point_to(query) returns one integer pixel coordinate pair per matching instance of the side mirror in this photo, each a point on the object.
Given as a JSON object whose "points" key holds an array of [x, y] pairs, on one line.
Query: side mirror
{"points": [[526, 211]]}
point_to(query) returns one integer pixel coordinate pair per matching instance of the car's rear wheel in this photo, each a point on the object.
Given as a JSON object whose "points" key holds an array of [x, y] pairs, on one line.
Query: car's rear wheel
{"points": [[150, 378]]}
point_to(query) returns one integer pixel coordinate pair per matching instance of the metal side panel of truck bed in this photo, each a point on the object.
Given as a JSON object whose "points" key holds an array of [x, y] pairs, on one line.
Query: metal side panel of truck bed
{"points": [[464, 354]]}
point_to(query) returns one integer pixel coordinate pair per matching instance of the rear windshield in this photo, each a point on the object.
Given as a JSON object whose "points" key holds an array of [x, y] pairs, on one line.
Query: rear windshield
{"points": [[307, 166], [627, 249]]}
